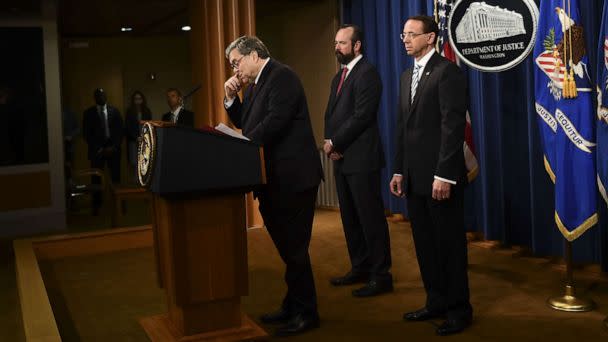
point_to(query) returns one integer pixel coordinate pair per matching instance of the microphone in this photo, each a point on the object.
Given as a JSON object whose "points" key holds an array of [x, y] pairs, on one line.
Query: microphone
{"points": [[191, 92]]}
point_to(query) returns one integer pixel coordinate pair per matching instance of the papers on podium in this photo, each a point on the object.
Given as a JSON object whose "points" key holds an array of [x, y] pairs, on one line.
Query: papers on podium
{"points": [[229, 131]]}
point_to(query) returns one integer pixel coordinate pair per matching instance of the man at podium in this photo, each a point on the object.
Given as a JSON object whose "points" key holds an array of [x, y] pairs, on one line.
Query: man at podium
{"points": [[274, 113]]}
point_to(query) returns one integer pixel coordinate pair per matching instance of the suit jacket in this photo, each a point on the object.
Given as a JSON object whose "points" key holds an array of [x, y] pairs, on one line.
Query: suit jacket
{"points": [[430, 130], [94, 130], [184, 118], [351, 119], [132, 124], [275, 115]]}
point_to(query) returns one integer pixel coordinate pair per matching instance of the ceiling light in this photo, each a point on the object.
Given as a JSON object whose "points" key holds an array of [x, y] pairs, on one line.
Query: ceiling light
{"points": [[126, 29], [186, 28]]}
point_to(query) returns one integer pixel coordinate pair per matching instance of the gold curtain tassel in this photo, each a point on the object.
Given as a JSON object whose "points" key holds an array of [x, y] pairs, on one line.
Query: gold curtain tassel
{"points": [[573, 90]]}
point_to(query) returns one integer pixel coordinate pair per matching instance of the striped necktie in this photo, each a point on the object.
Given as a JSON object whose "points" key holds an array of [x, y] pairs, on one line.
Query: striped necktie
{"points": [[415, 78]]}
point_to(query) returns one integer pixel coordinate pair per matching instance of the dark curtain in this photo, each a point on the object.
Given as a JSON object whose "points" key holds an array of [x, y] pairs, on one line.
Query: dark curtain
{"points": [[511, 200]]}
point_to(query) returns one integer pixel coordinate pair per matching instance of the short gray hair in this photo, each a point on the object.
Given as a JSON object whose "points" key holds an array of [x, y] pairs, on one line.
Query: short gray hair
{"points": [[246, 45]]}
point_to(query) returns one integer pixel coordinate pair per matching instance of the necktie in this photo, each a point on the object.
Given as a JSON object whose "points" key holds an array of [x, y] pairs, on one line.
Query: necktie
{"points": [[342, 77], [104, 117], [415, 77]]}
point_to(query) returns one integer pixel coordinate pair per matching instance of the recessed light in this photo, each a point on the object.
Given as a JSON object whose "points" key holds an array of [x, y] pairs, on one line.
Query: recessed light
{"points": [[186, 28], [126, 29]]}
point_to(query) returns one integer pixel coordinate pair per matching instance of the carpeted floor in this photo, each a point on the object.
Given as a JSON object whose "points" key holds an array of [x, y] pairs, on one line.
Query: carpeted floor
{"points": [[99, 298]]}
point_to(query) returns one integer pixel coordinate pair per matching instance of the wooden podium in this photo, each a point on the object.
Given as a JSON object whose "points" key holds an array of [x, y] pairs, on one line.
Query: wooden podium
{"points": [[198, 180]]}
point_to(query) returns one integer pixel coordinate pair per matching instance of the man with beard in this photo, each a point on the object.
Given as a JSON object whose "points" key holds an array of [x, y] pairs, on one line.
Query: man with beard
{"points": [[352, 141], [274, 113]]}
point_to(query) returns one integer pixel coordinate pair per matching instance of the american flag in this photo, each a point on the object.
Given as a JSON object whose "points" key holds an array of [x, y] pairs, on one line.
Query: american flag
{"points": [[606, 57], [443, 9], [442, 15], [547, 63]]}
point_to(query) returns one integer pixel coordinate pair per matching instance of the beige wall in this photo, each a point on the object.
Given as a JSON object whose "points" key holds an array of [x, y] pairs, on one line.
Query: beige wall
{"points": [[121, 65], [301, 34]]}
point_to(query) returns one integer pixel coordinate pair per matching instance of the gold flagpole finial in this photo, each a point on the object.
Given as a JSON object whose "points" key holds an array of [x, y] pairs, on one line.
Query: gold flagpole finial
{"points": [[564, 22], [573, 91], [436, 13]]}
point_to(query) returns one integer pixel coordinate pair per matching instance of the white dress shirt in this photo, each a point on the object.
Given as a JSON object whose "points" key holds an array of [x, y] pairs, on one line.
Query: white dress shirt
{"points": [[103, 111], [176, 113]]}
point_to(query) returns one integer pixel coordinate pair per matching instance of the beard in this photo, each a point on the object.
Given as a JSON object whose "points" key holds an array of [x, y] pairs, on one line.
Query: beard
{"points": [[345, 58]]}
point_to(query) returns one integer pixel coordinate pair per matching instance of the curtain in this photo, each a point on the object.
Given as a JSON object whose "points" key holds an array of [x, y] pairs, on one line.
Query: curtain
{"points": [[215, 24], [511, 200]]}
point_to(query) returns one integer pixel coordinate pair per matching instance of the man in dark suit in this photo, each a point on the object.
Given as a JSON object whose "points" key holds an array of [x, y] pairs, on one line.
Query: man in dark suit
{"points": [[177, 114], [353, 142], [430, 172], [274, 113], [103, 132]]}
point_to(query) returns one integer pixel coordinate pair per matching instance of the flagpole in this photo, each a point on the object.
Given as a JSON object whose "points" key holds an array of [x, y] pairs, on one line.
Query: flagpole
{"points": [[436, 15], [569, 301]]}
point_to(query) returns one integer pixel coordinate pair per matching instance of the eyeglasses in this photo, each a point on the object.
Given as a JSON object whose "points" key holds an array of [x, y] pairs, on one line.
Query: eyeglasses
{"points": [[235, 64], [411, 35]]}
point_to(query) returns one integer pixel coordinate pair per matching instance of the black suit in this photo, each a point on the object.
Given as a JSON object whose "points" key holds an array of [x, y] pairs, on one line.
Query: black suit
{"points": [[429, 144], [351, 125], [97, 141], [184, 117], [132, 128], [132, 125], [275, 115]]}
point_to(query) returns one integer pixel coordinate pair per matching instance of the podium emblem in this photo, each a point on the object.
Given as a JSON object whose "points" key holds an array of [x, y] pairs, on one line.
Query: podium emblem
{"points": [[146, 151]]}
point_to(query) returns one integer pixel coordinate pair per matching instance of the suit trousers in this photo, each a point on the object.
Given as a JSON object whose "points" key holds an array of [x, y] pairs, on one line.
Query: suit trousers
{"points": [[364, 222], [288, 218], [99, 162], [441, 248]]}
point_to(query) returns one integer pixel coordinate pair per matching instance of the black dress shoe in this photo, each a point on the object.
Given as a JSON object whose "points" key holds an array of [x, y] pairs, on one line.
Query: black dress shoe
{"points": [[297, 325], [373, 288], [452, 326], [421, 315], [281, 316], [349, 279]]}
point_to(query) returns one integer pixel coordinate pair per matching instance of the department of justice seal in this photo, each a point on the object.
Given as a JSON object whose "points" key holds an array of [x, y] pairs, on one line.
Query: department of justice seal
{"points": [[493, 35], [146, 152]]}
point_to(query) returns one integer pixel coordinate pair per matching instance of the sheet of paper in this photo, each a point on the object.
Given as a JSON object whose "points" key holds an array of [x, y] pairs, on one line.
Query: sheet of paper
{"points": [[227, 130]]}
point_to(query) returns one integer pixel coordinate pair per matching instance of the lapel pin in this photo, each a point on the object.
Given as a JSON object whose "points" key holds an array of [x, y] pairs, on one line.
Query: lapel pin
{"points": [[428, 73]]}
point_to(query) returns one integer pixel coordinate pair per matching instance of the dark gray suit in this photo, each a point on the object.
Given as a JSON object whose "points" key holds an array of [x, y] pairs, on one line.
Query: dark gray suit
{"points": [[351, 124], [184, 117], [275, 115], [93, 127], [429, 143]]}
